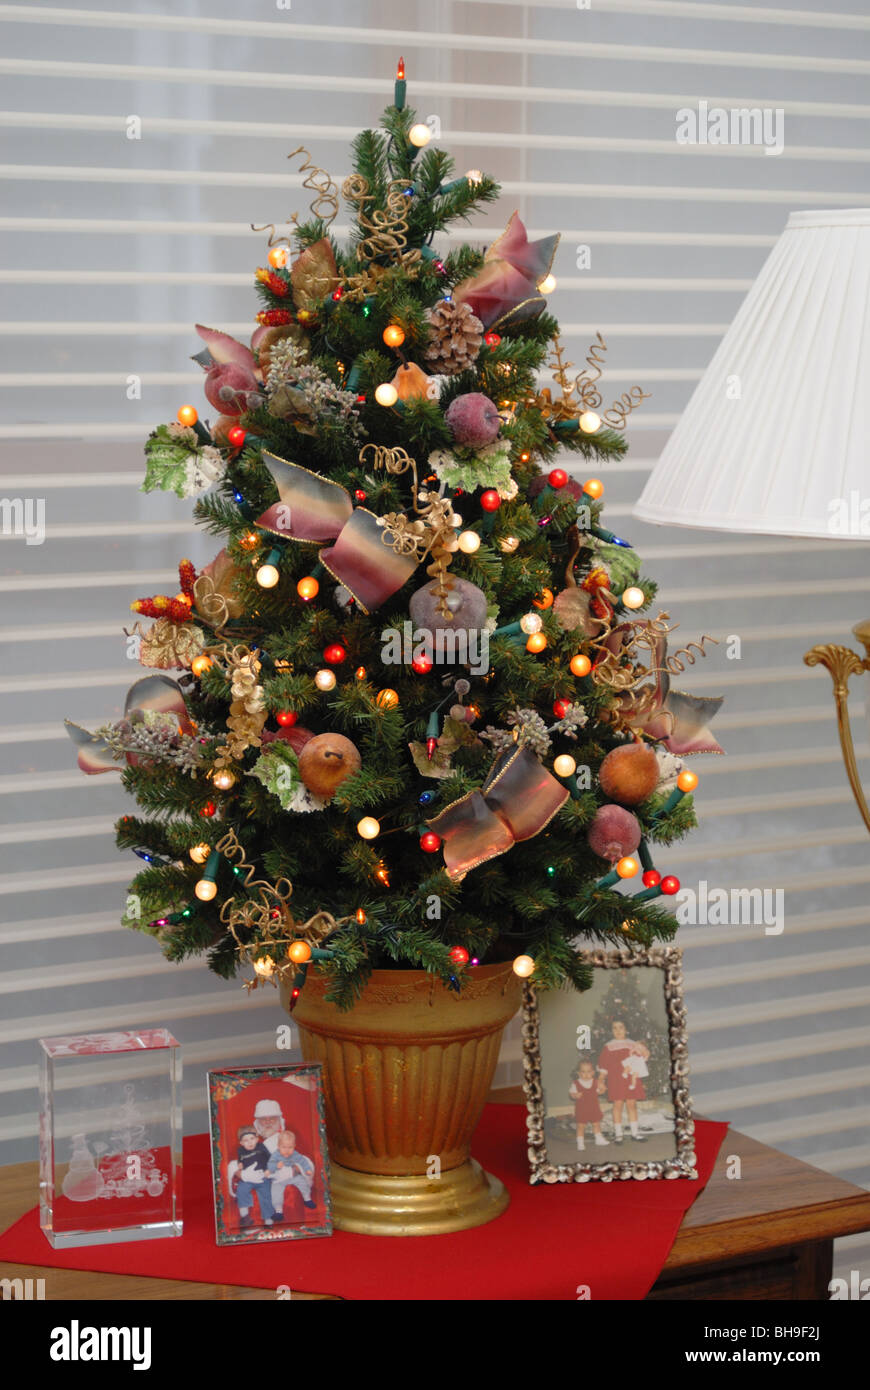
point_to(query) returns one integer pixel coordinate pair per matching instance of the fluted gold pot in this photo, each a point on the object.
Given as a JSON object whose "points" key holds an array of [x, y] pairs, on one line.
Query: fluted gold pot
{"points": [[406, 1074]]}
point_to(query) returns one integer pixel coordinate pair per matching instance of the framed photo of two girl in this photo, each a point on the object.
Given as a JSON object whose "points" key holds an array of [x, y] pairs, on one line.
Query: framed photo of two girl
{"points": [[606, 1072]]}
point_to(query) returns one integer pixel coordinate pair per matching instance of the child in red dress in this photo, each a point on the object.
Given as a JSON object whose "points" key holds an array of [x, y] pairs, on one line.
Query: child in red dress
{"points": [[587, 1110], [619, 1071]]}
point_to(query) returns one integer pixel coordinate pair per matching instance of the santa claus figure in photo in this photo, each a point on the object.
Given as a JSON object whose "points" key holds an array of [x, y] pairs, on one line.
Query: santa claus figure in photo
{"points": [[621, 1067]]}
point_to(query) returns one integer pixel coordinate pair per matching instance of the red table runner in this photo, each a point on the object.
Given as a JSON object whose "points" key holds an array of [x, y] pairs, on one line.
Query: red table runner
{"points": [[612, 1238]]}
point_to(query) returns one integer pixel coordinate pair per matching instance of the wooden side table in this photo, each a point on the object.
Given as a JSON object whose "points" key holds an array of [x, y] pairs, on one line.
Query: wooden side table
{"points": [[766, 1235]]}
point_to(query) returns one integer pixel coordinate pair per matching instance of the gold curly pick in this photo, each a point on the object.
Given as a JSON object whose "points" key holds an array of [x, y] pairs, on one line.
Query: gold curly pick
{"points": [[325, 204]]}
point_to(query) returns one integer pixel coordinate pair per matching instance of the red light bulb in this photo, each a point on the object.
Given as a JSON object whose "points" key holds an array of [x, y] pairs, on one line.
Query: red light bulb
{"points": [[490, 500], [652, 878], [287, 718], [670, 885], [430, 842], [557, 477]]}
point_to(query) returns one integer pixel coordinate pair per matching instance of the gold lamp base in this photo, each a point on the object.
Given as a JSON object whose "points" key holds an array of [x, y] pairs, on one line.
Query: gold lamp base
{"points": [[841, 663], [373, 1205]]}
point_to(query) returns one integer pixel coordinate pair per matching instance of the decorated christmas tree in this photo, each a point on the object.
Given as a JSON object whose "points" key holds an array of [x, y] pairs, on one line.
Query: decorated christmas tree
{"points": [[420, 716]]}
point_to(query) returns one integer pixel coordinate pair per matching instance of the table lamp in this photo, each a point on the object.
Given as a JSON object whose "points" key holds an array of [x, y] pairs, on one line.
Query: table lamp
{"points": [[776, 438]]}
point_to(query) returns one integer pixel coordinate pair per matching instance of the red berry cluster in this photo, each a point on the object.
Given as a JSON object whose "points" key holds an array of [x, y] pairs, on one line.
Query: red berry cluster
{"points": [[274, 318]]}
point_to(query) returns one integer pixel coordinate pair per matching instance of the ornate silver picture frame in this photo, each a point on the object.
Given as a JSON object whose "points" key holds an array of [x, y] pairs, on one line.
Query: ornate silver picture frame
{"points": [[606, 1072]]}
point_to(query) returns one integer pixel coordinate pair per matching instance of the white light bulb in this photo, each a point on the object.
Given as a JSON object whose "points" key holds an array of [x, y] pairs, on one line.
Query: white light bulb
{"points": [[419, 135], [386, 394], [469, 541], [531, 622], [325, 680], [589, 422], [564, 765], [267, 576], [509, 544], [547, 285], [523, 966], [633, 598], [474, 176], [224, 780], [199, 853], [205, 890], [368, 828]]}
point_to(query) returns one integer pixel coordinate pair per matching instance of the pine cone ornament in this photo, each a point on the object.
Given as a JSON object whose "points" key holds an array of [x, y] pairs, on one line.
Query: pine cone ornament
{"points": [[455, 338]]}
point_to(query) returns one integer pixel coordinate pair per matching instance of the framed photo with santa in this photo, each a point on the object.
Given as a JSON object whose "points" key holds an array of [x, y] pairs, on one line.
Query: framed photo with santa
{"points": [[270, 1165], [606, 1072]]}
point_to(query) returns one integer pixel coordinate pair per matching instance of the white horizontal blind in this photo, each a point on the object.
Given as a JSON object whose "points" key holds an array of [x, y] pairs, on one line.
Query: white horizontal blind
{"points": [[114, 247]]}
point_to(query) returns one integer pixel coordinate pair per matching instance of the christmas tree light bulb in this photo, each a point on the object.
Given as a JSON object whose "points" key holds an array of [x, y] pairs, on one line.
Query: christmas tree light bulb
{"points": [[419, 135], [205, 890], [199, 853], [299, 952], [580, 665], [509, 544], [593, 487], [474, 176], [267, 576], [564, 765], [393, 335], [200, 665], [224, 779], [368, 828], [547, 285], [531, 622], [308, 588], [278, 257], [469, 542], [589, 422], [536, 643], [187, 415], [386, 394], [523, 966], [687, 781], [633, 598], [627, 867], [325, 680]]}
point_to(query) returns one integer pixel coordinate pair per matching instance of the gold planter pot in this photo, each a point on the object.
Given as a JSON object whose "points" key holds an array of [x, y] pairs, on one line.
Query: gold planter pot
{"points": [[406, 1074]]}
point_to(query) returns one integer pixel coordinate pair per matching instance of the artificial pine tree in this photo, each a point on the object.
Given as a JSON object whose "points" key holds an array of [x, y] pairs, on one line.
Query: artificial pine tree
{"points": [[383, 473]]}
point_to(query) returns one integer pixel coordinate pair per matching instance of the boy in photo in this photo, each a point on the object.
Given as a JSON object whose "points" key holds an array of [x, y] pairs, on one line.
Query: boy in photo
{"points": [[289, 1168]]}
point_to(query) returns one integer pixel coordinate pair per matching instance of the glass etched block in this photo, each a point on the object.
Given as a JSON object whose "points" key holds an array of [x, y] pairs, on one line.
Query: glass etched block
{"points": [[110, 1137]]}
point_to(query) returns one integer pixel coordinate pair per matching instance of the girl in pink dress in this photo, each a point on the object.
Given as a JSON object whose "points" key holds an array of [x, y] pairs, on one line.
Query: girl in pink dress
{"points": [[587, 1110], [618, 1069]]}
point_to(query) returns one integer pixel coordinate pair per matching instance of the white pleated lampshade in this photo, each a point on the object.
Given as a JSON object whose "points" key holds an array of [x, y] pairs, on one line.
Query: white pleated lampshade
{"points": [[776, 437]]}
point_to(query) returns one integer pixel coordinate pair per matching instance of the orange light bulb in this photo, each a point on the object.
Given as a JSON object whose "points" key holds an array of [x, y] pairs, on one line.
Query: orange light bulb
{"points": [[393, 335], [186, 415], [278, 257], [544, 599], [299, 952], [387, 699], [580, 665], [594, 488], [627, 867], [687, 781], [536, 643], [200, 665], [308, 588]]}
